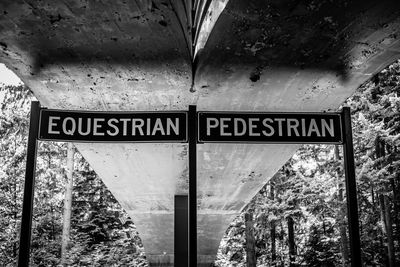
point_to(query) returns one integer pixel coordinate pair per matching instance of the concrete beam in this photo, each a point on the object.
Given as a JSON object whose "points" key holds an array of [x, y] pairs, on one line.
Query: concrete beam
{"points": [[133, 55]]}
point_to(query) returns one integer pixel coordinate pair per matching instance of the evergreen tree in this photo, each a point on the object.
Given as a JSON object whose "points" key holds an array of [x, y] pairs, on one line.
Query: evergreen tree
{"points": [[98, 237]]}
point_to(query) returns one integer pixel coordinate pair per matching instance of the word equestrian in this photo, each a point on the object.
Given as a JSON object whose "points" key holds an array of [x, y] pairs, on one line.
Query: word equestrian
{"points": [[106, 127]]}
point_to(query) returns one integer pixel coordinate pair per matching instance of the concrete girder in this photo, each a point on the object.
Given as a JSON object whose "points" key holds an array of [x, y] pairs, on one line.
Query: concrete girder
{"points": [[252, 55], [282, 56]]}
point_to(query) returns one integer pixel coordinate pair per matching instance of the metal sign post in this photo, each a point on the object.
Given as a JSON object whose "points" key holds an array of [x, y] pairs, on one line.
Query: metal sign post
{"points": [[192, 186], [351, 189], [27, 206]]}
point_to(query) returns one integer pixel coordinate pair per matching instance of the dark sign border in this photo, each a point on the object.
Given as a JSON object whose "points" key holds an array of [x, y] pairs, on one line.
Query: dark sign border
{"points": [[185, 140], [230, 113]]}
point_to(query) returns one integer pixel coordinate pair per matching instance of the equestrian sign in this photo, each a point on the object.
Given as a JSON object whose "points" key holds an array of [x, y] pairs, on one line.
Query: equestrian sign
{"points": [[253, 127], [89, 126]]}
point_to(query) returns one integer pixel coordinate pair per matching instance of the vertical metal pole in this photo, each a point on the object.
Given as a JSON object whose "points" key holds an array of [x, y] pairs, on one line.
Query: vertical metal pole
{"points": [[192, 125], [181, 233], [26, 221], [351, 189]]}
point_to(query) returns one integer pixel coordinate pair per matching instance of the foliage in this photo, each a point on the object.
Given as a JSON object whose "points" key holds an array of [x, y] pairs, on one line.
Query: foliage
{"points": [[13, 138], [310, 189], [98, 237]]}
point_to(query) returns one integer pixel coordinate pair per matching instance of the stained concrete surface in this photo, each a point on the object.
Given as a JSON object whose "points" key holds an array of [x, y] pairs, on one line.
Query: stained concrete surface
{"points": [[250, 56]]}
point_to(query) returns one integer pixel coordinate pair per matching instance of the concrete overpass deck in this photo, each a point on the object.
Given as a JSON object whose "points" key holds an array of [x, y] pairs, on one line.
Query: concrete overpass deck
{"points": [[252, 55]]}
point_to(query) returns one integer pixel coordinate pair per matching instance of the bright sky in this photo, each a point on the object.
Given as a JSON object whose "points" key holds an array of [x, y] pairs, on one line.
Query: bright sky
{"points": [[7, 77]]}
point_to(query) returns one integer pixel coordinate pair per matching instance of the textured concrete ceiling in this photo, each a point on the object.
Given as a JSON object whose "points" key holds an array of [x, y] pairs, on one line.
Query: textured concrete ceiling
{"points": [[225, 55]]}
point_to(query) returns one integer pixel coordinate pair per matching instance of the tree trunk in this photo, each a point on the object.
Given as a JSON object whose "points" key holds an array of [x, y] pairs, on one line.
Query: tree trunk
{"points": [[343, 231], [273, 229], [250, 242], [273, 243], [396, 209], [385, 207], [341, 215], [389, 233], [373, 197], [15, 248], [383, 219], [67, 204], [292, 247]]}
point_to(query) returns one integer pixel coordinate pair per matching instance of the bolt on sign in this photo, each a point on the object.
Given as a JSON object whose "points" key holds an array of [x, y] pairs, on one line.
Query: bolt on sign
{"points": [[113, 126], [252, 127]]}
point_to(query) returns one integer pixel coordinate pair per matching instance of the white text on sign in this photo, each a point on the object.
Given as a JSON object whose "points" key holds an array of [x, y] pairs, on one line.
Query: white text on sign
{"points": [[113, 126], [269, 127]]}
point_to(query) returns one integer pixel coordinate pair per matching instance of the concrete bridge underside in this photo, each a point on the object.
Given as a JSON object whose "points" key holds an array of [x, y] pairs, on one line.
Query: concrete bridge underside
{"points": [[253, 55]]}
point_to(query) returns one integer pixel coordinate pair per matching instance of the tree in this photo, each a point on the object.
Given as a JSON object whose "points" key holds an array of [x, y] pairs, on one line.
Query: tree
{"points": [[13, 138], [96, 233], [250, 243], [67, 204]]}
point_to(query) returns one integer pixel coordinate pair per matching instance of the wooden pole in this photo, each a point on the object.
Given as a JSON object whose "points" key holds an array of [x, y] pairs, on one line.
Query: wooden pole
{"points": [[192, 132], [27, 206], [351, 189]]}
